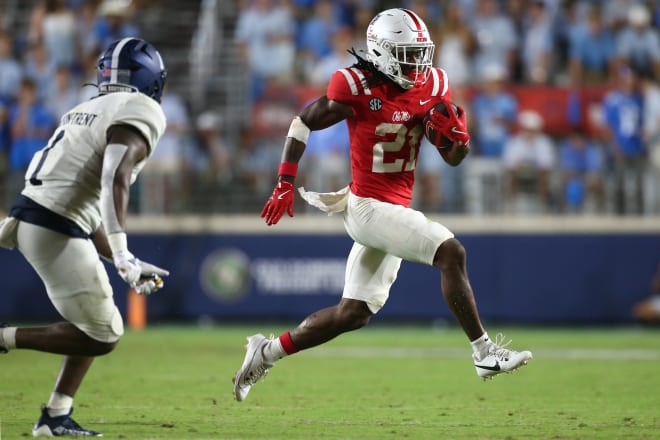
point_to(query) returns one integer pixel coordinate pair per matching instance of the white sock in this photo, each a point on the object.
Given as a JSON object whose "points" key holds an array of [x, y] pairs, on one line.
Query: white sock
{"points": [[480, 345], [8, 337], [59, 404], [274, 351]]}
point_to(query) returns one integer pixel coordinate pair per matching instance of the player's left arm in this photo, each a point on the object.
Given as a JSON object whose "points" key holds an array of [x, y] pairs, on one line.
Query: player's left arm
{"points": [[318, 115], [125, 148]]}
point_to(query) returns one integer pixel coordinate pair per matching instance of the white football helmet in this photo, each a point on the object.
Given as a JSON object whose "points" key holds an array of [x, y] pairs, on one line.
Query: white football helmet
{"points": [[399, 45]]}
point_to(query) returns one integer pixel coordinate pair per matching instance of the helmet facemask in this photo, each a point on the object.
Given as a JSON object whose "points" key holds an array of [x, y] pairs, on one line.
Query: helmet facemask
{"points": [[399, 45]]}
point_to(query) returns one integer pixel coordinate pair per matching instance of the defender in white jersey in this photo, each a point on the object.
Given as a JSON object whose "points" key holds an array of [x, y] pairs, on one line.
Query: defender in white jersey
{"points": [[73, 210]]}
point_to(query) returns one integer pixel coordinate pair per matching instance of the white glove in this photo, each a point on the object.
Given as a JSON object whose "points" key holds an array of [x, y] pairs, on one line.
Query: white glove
{"points": [[128, 267], [148, 285], [144, 277]]}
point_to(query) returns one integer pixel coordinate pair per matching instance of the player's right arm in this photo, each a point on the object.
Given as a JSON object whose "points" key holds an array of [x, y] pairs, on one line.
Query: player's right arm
{"points": [[125, 148], [318, 115]]}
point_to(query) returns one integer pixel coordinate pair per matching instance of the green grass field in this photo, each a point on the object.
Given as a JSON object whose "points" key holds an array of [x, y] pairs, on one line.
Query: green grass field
{"points": [[376, 383]]}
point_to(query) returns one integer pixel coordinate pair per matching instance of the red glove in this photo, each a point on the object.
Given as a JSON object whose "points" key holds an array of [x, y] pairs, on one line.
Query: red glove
{"points": [[452, 125], [281, 200]]}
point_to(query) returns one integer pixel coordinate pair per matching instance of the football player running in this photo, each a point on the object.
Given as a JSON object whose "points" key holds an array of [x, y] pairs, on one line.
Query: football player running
{"points": [[383, 100], [73, 210]]}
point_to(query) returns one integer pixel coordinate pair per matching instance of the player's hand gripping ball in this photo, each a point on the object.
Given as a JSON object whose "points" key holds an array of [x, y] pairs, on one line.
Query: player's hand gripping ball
{"points": [[445, 126]]}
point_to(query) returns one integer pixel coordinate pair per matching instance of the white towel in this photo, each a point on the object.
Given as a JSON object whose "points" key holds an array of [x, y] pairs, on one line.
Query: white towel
{"points": [[8, 228], [330, 202]]}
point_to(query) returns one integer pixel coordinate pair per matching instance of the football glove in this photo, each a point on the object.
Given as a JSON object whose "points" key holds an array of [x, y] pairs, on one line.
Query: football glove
{"points": [[148, 285], [280, 201], [452, 125], [138, 273]]}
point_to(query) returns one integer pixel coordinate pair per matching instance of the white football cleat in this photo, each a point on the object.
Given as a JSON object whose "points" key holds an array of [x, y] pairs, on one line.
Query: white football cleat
{"points": [[254, 366], [500, 359]]}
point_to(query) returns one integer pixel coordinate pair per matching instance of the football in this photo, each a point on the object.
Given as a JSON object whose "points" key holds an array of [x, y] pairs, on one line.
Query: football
{"points": [[452, 153], [435, 137]]}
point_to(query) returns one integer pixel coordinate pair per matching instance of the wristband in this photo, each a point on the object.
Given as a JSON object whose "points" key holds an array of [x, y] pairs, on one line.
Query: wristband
{"points": [[118, 242], [288, 169]]}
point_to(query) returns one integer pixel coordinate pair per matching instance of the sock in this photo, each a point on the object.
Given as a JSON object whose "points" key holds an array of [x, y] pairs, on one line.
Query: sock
{"points": [[59, 404], [8, 337], [480, 346], [280, 347]]}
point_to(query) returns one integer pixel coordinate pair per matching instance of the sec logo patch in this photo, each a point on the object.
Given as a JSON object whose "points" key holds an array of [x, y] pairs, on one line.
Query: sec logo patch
{"points": [[375, 104]]}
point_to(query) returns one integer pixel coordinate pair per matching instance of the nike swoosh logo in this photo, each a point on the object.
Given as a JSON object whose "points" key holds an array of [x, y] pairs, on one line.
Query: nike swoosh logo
{"points": [[283, 194], [453, 130], [495, 367], [424, 102]]}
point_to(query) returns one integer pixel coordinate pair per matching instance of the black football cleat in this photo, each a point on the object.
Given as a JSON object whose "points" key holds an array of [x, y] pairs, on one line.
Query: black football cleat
{"points": [[48, 426]]}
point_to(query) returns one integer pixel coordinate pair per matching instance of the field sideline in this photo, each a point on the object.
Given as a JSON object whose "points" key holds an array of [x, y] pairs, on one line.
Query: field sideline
{"points": [[174, 382]]}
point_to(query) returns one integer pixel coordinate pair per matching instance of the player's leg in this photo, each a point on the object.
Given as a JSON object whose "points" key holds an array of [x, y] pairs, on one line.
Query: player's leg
{"points": [[420, 240], [490, 357], [451, 260], [78, 286], [61, 338], [369, 275], [326, 324]]}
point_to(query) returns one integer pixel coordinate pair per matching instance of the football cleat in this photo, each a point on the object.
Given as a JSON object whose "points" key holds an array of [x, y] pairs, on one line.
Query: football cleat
{"points": [[254, 366], [500, 359], [48, 426]]}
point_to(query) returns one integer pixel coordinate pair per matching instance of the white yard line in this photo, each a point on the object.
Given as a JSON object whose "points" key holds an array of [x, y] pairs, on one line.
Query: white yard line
{"points": [[456, 353]]}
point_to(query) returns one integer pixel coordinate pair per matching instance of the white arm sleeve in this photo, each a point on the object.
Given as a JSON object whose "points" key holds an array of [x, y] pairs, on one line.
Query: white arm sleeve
{"points": [[111, 160]]}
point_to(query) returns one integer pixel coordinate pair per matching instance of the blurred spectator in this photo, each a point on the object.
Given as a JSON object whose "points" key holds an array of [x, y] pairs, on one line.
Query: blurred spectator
{"points": [[651, 136], [40, 68], [162, 177], [265, 36], [648, 310], [63, 92], [88, 44], [496, 37], [581, 168], [31, 125], [638, 44], [364, 12], [337, 59], [327, 165], [254, 157], [11, 71], [493, 115], [455, 44], [208, 167], [528, 160], [623, 109], [537, 45], [591, 52], [53, 25], [4, 149], [114, 22], [314, 39]]}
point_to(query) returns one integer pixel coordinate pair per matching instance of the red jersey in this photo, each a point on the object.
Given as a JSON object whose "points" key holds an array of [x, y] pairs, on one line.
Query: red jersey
{"points": [[385, 130]]}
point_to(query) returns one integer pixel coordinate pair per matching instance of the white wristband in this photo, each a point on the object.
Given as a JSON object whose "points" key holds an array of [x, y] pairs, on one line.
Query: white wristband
{"points": [[298, 130], [118, 242]]}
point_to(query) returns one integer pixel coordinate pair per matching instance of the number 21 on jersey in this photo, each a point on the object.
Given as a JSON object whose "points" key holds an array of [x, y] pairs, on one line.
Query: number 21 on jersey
{"points": [[404, 136]]}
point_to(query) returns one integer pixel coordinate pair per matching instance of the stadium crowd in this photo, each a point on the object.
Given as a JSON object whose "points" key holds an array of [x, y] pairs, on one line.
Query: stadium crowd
{"points": [[604, 159]]}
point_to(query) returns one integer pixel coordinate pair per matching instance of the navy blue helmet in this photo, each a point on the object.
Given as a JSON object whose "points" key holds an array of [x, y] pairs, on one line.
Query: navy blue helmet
{"points": [[131, 64]]}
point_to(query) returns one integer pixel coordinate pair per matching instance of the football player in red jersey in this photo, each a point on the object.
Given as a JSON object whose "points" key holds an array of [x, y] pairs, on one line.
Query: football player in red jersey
{"points": [[383, 99]]}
